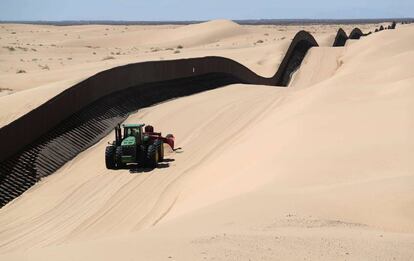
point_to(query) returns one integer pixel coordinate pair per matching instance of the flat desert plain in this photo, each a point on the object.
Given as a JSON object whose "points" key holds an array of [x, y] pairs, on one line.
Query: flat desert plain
{"points": [[320, 170]]}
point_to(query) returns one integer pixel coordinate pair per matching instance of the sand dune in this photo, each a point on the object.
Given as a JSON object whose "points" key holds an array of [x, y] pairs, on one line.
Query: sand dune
{"points": [[40, 159], [60, 56], [320, 170], [319, 64]]}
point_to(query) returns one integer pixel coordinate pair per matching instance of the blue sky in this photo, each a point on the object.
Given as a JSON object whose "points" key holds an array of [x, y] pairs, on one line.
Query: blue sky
{"points": [[161, 10]]}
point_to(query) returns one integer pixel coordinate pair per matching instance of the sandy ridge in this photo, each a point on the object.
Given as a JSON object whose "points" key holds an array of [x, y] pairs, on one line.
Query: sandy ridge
{"points": [[322, 170]]}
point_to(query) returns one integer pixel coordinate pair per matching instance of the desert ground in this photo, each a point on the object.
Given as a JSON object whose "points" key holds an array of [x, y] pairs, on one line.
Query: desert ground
{"points": [[43, 60], [320, 170]]}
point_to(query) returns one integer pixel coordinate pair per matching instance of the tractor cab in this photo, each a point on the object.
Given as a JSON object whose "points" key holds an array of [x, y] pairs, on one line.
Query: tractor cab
{"points": [[132, 134], [132, 129]]}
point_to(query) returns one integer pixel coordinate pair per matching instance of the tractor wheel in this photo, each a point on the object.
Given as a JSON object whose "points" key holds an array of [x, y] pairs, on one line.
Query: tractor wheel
{"points": [[169, 136], [110, 157], [118, 158], [160, 145], [141, 155], [152, 156]]}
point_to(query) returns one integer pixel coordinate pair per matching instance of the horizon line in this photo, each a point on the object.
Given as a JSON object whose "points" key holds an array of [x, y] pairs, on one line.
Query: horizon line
{"points": [[247, 21]]}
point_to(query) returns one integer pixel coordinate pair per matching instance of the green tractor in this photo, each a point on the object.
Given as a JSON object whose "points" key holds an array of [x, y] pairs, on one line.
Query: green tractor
{"points": [[134, 144]]}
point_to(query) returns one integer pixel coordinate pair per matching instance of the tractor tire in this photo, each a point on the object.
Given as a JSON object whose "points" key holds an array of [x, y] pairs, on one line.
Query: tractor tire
{"points": [[118, 158], [141, 155], [152, 156], [160, 146], [169, 136], [110, 157]]}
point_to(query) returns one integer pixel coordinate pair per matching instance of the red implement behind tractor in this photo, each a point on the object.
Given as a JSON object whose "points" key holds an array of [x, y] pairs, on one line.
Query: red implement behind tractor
{"points": [[169, 139]]}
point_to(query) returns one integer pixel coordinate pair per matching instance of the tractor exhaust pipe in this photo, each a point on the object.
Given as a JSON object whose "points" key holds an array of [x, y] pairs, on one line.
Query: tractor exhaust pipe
{"points": [[118, 136]]}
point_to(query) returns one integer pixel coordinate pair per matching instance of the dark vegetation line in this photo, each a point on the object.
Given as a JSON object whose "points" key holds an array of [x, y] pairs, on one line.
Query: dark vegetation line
{"points": [[241, 22]]}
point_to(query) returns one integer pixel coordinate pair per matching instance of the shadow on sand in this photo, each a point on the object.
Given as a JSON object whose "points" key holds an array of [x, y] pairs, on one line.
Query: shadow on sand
{"points": [[136, 168]]}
